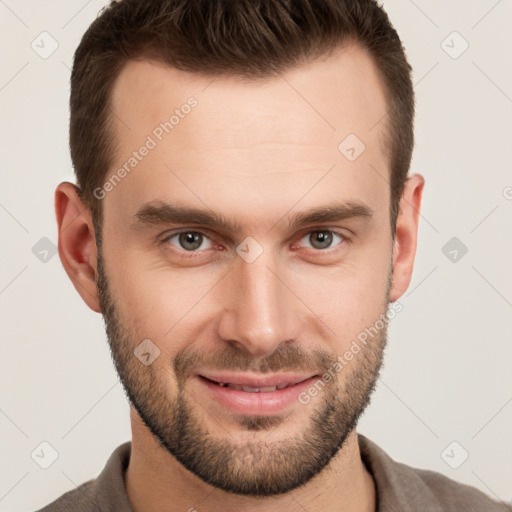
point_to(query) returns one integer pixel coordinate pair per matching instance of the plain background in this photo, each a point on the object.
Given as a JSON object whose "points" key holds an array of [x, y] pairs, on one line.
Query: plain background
{"points": [[447, 374]]}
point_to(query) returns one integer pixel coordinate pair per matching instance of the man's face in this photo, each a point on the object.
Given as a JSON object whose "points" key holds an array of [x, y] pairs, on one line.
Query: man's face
{"points": [[282, 304]]}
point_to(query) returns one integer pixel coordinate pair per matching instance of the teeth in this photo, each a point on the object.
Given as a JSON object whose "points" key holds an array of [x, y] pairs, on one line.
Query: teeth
{"points": [[249, 389]]}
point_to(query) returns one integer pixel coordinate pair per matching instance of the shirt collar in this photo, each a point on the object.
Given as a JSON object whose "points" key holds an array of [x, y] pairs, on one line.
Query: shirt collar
{"points": [[397, 486]]}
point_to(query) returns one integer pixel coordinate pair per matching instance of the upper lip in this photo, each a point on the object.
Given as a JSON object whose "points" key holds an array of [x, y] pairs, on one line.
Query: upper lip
{"points": [[257, 382]]}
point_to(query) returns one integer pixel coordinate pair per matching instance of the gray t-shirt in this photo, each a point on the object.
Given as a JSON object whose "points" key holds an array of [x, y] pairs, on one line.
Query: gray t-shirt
{"points": [[399, 488]]}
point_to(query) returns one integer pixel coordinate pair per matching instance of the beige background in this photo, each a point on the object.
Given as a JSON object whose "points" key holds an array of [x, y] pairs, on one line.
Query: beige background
{"points": [[447, 374]]}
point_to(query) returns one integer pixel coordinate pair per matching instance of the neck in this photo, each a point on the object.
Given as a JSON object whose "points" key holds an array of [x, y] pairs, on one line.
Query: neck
{"points": [[156, 481]]}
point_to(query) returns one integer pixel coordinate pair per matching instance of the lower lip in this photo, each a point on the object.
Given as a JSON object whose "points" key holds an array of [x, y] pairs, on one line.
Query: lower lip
{"points": [[260, 403]]}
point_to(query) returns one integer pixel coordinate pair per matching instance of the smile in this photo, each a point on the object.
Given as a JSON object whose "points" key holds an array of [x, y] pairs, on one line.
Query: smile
{"points": [[249, 395]]}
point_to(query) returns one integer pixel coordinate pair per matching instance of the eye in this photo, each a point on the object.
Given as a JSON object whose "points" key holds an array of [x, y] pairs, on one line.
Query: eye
{"points": [[322, 239], [190, 240]]}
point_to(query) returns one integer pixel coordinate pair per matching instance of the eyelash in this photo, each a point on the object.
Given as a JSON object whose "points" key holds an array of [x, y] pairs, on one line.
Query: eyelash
{"points": [[198, 253]]}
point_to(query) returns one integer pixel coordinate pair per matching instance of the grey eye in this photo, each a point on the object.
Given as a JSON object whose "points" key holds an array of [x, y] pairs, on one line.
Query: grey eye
{"points": [[190, 240], [321, 239]]}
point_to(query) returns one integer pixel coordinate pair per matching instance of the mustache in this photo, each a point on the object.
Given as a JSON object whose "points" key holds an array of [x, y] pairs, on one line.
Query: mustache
{"points": [[286, 357]]}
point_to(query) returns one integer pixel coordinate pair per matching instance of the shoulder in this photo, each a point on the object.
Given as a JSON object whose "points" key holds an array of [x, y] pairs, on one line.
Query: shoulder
{"points": [[105, 493], [406, 488], [454, 496], [81, 499]]}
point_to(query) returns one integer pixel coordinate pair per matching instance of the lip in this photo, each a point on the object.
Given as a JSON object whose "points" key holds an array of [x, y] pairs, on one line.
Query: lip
{"points": [[260, 402]]}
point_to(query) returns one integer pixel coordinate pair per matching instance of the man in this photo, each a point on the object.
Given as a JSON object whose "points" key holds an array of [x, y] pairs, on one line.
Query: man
{"points": [[243, 213]]}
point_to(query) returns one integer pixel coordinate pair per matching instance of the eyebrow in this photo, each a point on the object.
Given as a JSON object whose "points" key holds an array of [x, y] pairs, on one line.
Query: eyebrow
{"points": [[158, 213]]}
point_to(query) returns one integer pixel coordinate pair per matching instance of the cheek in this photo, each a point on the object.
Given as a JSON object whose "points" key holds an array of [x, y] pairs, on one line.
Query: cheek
{"points": [[349, 297], [155, 300]]}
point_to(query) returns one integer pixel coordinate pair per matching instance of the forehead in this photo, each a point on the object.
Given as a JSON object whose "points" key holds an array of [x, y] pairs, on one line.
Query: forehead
{"points": [[339, 92], [262, 135]]}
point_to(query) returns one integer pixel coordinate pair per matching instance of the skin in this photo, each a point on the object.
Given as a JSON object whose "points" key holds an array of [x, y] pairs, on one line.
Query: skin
{"points": [[259, 153]]}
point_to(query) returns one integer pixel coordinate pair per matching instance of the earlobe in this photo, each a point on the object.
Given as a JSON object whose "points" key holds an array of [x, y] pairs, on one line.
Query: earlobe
{"points": [[77, 242], [406, 236]]}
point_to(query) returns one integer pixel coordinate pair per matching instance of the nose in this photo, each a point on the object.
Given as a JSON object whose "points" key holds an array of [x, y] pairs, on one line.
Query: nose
{"points": [[260, 311]]}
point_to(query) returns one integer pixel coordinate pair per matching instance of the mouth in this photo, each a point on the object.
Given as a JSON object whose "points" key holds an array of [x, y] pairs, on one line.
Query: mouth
{"points": [[254, 389], [251, 395]]}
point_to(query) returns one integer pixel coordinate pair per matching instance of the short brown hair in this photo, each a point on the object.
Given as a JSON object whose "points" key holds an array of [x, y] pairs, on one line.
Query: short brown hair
{"points": [[246, 38]]}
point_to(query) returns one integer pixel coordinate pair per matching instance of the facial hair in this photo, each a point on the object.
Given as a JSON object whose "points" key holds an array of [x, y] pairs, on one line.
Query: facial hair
{"points": [[257, 467]]}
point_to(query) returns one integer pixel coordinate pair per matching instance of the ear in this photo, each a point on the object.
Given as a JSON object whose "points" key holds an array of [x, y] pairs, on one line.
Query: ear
{"points": [[77, 242], [406, 236]]}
